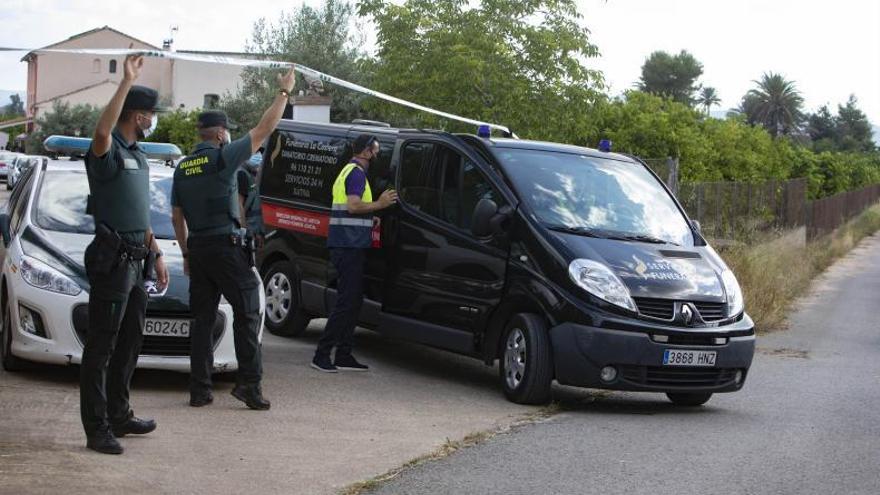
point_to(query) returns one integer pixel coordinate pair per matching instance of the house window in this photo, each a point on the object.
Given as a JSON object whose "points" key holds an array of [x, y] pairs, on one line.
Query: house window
{"points": [[113, 67], [96, 66], [211, 101]]}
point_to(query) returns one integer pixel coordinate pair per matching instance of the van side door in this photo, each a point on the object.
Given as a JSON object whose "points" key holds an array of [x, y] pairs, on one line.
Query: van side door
{"points": [[439, 272]]}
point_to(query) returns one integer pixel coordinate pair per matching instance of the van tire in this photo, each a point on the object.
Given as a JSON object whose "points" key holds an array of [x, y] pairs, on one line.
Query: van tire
{"points": [[689, 399], [282, 299], [10, 362], [525, 361]]}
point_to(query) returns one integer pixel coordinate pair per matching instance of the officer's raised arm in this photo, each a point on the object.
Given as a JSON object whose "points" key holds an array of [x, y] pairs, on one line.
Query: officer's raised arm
{"points": [[273, 114], [104, 128]]}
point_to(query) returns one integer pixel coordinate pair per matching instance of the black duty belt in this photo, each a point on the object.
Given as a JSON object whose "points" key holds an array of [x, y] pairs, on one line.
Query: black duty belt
{"points": [[127, 250], [214, 240]]}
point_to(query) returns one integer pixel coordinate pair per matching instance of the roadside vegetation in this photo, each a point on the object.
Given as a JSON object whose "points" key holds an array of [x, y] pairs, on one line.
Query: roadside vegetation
{"points": [[774, 273]]}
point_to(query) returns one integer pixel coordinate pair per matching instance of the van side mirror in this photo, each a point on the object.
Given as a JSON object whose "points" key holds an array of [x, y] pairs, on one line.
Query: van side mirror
{"points": [[4, 228], [488, 219], [697, 227]]}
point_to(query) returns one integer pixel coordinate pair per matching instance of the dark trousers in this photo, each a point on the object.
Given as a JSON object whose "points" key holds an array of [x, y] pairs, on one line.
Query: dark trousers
{"points": [[117, 308], [217, 267], [339, 331]]}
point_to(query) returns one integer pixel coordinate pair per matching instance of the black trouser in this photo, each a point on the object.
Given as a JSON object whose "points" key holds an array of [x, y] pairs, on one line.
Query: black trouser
{"points": [[217, 267], [117, 308], [339, 331]]}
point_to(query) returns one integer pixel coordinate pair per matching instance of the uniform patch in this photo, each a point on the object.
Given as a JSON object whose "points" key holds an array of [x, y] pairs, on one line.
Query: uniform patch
{"points": [[130, 164]]}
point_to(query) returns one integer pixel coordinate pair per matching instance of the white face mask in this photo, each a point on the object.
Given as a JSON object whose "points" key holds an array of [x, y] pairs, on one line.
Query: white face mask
{"points": [[154, 121], [227, 137]]}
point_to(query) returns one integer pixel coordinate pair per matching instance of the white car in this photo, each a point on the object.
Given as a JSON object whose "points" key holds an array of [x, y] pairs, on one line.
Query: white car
{"points": [[44, 288], [19, 166], [6, 159]]}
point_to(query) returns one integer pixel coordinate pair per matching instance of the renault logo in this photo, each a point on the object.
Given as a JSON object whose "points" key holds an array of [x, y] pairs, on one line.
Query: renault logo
{"points": [[687, 314]]}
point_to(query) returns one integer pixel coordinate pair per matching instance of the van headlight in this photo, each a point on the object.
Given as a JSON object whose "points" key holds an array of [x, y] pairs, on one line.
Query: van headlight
{"points": [[735, 304], [599, 280], [43, 276]]}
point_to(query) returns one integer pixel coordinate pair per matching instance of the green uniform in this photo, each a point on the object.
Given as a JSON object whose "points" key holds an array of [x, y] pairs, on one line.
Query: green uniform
{"points": [[253, 211], [205, 189], [119, 186]]}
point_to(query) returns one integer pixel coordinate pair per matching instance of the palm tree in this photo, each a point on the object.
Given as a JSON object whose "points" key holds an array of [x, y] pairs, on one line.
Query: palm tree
{"points": [[708, 98], [775, 103]]}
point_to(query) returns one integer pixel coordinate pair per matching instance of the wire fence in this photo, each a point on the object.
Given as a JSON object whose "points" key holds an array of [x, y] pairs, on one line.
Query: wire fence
{"points": [[744, 211], [738, 211]]}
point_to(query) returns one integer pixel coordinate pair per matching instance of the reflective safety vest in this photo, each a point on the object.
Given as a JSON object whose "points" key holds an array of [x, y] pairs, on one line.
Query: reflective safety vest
{"points": [[347, 230]]}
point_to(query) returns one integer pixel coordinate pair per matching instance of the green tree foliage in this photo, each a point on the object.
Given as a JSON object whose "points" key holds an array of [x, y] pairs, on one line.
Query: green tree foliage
{"points": [[673, 76], [178, 127], [775, 104], [708, 98], [14, 108], [66, 120], [523, 64], [852, 131], [320, 38], [821, 129]]}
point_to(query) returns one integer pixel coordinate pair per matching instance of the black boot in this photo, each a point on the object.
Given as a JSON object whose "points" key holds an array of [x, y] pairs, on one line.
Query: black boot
{"points": [[104, 442], [134, 426], [252, 396], [200, 399]]}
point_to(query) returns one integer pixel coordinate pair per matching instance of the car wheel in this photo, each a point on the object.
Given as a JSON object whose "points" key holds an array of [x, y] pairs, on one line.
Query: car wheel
{"points": [[284, 316], [689, 399], [10, 362], [526, 364]]}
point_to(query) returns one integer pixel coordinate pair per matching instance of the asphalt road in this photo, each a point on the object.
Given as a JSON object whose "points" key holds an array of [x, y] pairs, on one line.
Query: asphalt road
{"points": [[323, 432], [807, 421]]}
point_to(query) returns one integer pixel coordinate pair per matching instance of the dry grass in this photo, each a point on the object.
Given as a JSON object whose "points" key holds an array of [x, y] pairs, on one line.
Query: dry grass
{"points": [[448, 448], [773, 274]]}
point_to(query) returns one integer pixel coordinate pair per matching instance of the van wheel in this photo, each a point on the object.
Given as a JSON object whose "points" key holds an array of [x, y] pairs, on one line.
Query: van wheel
{"points": [[10, 362], [284, 316], [689, 399], [526, 363]]}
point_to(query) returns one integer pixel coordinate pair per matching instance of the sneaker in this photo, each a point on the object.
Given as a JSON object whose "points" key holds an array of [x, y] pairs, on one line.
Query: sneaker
{"points": [[133, 425], [349, 363], [251, 396], [200, 399], [323, 364], [104, 442]]}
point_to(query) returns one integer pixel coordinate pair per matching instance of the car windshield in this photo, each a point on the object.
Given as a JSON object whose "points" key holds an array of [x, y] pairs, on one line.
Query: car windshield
{"points": [[61, 205], [595, 196]]}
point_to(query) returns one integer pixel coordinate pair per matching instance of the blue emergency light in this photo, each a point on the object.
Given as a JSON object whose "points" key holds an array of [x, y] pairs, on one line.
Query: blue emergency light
{"points": [[78, 146], [484, 131], [605, 145]]}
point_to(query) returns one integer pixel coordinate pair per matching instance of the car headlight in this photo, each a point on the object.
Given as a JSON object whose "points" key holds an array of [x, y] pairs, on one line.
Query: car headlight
{"points": [[43, 276], [735, 303], [599, 280]]}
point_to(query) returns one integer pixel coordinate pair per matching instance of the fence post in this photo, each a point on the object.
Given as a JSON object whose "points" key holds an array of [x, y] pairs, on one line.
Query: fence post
{"points": [[672, 179]]}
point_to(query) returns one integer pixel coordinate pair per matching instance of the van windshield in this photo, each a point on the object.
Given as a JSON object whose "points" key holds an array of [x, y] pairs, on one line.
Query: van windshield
{"points": [[595, 196]]}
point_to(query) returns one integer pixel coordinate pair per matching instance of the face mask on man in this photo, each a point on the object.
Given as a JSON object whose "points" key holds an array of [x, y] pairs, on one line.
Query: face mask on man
{"points": [[225, 137], [144, 133]]}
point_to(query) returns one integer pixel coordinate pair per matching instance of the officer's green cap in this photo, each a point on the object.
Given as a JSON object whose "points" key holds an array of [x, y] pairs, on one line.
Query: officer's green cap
{"points": [[142, 98], [215, 118]]}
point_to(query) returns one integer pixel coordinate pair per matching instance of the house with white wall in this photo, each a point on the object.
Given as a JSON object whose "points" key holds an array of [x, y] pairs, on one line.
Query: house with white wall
{"points": [[75, 78]]}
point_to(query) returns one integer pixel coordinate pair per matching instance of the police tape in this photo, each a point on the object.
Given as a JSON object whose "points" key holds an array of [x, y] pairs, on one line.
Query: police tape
{"points": [[260, 64]]}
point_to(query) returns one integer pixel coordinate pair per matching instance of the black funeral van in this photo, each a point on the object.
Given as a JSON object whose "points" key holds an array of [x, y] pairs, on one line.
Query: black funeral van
{"points": [[563, 263]]}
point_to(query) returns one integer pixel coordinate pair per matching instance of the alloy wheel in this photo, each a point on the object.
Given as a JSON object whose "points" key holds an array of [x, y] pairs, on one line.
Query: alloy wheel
{"points": [[515, 358], [279, 298]]}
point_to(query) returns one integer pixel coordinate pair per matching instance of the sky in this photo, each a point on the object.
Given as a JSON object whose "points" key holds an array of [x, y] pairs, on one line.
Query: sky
{"points": [[830, 49]]}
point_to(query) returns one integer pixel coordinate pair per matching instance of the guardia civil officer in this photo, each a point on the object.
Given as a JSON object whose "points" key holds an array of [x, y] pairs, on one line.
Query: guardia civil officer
{"points": [[119, 201], [208, 228], [349, 236], [249, 199]]}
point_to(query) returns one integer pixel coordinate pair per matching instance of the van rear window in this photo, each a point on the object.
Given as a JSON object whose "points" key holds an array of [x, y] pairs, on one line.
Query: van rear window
{"points": [[301, 167]]}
